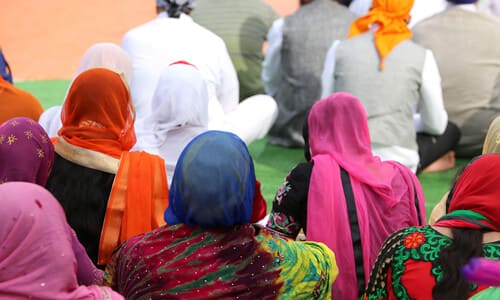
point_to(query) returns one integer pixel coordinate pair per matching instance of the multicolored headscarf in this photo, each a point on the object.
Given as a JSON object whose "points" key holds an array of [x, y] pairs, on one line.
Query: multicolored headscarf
{"points": [[98, 113], [474, 198], [26, 153], [392, 17], [213, 184]]}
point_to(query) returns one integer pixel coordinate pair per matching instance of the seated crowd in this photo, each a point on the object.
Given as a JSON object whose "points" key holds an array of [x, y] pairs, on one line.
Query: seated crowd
{"points": [[141, 185]]}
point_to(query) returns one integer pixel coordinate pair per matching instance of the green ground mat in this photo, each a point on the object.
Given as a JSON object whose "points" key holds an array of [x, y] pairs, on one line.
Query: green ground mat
{"points": [[272, 163]]}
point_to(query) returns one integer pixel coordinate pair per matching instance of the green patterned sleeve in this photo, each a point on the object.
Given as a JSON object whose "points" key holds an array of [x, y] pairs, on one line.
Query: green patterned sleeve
{"points": [[378, 284]]}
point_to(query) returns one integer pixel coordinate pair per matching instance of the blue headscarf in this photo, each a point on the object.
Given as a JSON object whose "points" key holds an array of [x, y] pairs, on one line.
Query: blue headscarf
{"points": [[213, 183], [462, 1]]}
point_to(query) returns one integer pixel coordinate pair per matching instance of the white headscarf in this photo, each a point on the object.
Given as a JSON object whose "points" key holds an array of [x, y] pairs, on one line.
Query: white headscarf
{"points": [[180, 112], [107, 55]]}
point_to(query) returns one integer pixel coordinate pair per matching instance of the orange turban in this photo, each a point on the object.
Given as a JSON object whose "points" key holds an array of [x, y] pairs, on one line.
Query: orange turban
{"points": [[98, 113], [391, 16]]}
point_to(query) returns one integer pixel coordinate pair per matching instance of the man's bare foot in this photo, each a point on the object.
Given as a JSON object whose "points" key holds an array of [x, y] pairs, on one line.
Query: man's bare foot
{"points": [[444, 163]]}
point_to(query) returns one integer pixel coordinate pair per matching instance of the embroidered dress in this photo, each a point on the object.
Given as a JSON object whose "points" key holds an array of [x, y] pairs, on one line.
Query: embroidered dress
{"points": [[209, 250], [180, 262], [408, 266]]}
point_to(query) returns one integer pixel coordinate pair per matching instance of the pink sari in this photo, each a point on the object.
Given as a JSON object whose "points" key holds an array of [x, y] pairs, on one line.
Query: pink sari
{"points": [[387, 195], [36, 257]]}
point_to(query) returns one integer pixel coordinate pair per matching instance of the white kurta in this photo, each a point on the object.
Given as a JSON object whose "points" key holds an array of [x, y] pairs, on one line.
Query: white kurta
{"points": [[155, 45]]}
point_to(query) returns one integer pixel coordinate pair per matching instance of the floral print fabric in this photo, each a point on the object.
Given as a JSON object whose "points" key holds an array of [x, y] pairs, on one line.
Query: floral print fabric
{"points": [[407, 266]]}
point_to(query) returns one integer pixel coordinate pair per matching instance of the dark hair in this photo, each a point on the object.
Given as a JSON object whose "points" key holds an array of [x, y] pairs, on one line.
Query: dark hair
{"points": [[467, 243]]}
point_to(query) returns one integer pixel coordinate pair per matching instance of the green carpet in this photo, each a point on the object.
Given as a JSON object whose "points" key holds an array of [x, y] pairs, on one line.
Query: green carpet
{"points": [[272, 163]]}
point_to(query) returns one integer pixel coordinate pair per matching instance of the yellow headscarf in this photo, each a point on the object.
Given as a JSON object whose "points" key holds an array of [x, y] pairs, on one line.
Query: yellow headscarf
{"points": [[492, 140], [391, 16]]}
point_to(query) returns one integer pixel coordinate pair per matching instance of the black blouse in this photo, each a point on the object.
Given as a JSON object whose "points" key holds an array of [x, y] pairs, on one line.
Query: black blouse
{"points": [[289, 212], [83, 193]]}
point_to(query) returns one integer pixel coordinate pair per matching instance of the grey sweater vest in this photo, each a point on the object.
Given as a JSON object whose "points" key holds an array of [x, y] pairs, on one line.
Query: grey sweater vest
{"points": [[307, 36], [388, 95], [467, 49]]}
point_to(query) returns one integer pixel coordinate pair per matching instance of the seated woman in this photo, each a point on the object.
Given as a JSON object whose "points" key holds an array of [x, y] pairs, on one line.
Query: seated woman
{"points": [[209, 250], [344, 196], [104, 55], [180, 112], [425, 262], [36, 256], [109, 194], [26, 153]]}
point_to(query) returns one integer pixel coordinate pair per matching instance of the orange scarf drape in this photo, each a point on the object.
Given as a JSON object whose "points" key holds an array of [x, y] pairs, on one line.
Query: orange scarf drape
{"points": [[138, 198], [392, 17], [98, 113]]}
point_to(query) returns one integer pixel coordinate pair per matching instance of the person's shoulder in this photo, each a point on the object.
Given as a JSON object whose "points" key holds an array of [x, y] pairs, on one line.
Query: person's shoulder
{"points": [[202, 32], [138, 30]]}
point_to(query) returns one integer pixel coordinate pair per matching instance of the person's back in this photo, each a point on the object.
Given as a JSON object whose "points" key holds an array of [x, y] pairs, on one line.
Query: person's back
{"points": [[243, 25], [209, 250], [357, 72], [344, 196], [160, 42], [307, 35], [469, 67], [425, 262], [95, 177], [15, 102]]}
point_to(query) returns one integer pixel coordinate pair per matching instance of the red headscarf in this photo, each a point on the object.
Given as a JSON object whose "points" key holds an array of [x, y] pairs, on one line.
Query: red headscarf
{"points": [[474, 203], [391, 16], [98, 113]]}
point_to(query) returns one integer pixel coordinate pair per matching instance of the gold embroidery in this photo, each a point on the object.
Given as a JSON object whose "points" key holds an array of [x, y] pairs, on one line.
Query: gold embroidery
{"points": [[44, 138], [40, 152], [497, 140], [91, 123], [28, 134], [11, 139], [2, 138], [14, 123], [32, 122]]}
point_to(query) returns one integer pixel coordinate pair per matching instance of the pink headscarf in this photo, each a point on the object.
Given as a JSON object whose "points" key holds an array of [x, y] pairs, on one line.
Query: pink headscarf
{"points": [[36, 257], [384, 192]]}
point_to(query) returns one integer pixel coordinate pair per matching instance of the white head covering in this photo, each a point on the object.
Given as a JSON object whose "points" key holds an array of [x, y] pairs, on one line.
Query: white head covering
{"points": [[107, 55], [180, 112]]}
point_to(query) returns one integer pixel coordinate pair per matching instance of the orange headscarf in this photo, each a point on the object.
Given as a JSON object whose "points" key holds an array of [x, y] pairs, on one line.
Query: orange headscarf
{"points": [[98, 113], [391, 16]]}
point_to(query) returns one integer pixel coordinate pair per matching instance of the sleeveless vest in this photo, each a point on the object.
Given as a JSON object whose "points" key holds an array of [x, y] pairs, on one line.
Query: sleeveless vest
{"points": [[388, 95], [467, 49], [307, 36]]}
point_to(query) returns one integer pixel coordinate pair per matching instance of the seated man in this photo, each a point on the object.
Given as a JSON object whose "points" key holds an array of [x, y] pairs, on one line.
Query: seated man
{"points": [[173, 36], [466, 44], [298, 55], [243, 25], [393, 76]]}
